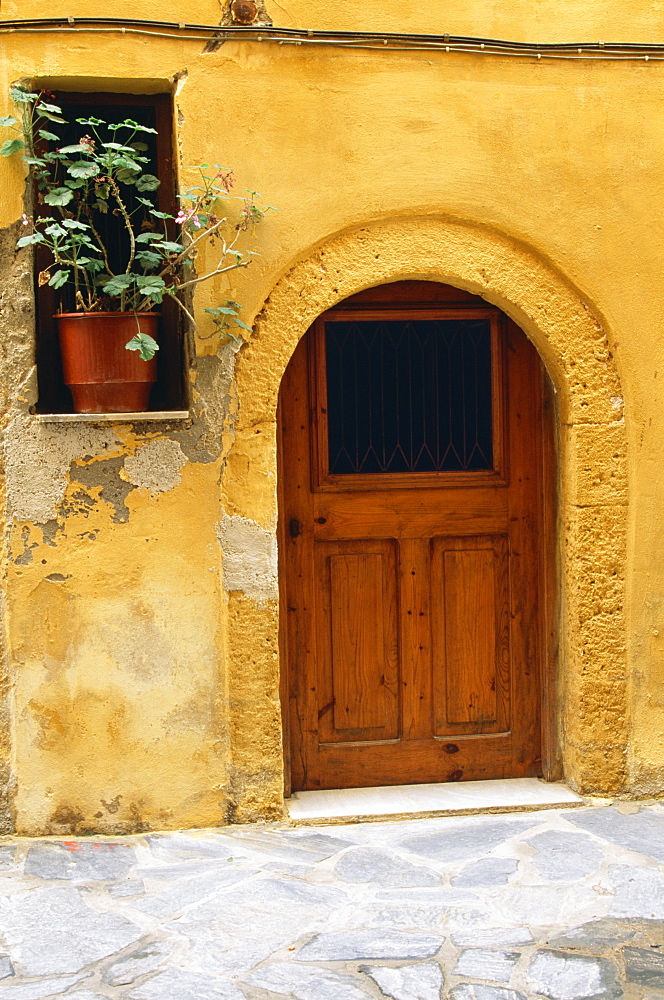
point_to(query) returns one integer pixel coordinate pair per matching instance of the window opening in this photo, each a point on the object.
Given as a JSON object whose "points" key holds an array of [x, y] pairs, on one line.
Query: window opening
{"points": [[154, 111]]}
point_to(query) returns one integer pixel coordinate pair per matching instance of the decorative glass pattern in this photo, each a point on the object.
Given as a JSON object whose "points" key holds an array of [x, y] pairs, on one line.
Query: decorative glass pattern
{"points": [[409, 395]]}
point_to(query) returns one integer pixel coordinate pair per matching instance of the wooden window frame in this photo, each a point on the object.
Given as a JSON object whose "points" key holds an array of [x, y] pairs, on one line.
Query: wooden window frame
{"points": [[171, 390], [323, 480]]}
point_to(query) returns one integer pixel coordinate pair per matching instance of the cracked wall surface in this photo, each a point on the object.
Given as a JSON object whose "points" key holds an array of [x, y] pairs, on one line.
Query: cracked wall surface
{"points": [[141, 668]]}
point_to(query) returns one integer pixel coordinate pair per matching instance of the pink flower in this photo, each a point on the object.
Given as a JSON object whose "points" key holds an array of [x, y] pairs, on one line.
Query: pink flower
{"points": [[189, 216], [25, 221]]}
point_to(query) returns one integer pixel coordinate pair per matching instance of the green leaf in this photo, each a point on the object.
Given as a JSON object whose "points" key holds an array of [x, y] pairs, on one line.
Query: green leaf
{"points": [[11, 146], [83, 169], [44, 134], [128, 163], [76, 148], [55, 230], [149, 259], [238, 322], [26, 241], [222, 311], [74, 224], [59, 196], [59, 279], [8, 120], [148, 237], [74, 182], [21, 95], [94, 265], [90, 121], [43, 106], [126, 176], [34, 161], [148, 182], [130, 123], [144, 344], [151, 285], [169, 246], [160, 215], [53, 118], [118, 284]]}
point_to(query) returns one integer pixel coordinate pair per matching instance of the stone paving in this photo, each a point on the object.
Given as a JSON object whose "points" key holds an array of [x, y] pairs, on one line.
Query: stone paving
{"points": [[562, 904]]}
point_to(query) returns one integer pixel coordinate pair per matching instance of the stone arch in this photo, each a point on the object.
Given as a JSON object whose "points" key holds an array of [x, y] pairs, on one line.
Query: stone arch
{"points": [[592, 488]]}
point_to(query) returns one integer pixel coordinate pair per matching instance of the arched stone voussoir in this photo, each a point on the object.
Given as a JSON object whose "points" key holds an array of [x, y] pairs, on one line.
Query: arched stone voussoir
{"points": [[569, 337]]}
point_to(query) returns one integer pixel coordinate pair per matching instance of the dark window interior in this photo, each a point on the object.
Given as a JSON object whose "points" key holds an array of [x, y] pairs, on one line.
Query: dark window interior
{"points": [[409, 395], [155, 111]]}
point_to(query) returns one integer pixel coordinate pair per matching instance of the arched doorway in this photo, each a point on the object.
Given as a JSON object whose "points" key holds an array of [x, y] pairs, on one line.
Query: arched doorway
{"points": [[415, 447]]}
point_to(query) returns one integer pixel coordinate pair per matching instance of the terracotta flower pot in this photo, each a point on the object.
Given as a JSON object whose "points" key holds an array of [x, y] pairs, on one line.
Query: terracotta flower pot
{"points": [[104, 377]]}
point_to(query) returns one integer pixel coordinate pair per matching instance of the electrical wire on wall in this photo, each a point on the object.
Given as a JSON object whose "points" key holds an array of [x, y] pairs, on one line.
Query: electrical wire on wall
{"points": [[382, 41]]}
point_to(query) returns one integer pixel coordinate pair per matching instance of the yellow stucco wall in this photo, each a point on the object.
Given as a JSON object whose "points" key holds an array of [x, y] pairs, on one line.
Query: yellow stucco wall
{"points": [[141, 611]]}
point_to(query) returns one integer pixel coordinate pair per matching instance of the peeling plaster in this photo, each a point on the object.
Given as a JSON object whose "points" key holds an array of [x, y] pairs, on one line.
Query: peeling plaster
{"points": [[38, 458], [250, 558], [106, 474], [213, 404], [156, 466]]}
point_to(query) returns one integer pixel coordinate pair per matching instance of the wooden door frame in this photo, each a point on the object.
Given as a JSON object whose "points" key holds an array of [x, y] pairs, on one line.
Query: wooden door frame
{"points": [[551, 749]]}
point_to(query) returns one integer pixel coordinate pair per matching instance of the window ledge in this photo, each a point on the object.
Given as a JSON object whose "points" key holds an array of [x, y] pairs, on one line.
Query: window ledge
{"points": [[153, 416]]}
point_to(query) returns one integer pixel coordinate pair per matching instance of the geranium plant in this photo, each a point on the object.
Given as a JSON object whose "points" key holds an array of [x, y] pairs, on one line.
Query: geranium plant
{"points": [[105, 172]]}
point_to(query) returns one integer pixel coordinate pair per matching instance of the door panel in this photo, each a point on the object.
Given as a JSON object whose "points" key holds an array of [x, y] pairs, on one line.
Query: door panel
{"points": [[412, 598], [471, 654], [357, 641]]}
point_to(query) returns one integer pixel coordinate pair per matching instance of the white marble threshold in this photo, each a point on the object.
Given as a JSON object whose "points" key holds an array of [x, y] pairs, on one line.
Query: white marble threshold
{"points": [[449, 798]]}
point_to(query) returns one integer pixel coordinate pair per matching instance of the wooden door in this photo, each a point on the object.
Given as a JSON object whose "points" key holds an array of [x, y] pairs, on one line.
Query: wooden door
{"points": [[411, 543]]}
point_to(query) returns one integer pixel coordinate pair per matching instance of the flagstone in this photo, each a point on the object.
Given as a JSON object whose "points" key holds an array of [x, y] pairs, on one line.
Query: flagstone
{"points": [[367, 864], [465, 841], [485, 963], [366, 944], [573, 977], [488, 871], [80, 860], [307, 983], [564, 856], [423, 981], [644, 966], [642, 831], [51, 931]]}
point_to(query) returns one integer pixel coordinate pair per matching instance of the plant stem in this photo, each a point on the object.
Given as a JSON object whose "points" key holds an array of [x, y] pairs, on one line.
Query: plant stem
{"points": [[127, 222], [100, 244], [211, 274]]}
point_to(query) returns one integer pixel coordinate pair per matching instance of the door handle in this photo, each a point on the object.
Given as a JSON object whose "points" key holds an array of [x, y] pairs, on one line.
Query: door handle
{"points": [[294, 527]]}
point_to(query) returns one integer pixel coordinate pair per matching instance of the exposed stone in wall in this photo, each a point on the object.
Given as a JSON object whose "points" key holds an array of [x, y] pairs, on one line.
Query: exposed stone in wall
{"points": [[212, 405], [250, 558], [155, 465], [38, 459]]}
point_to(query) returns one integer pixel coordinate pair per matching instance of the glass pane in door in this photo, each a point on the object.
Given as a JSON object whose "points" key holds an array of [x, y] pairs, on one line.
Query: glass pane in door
{"points": [[409, 395]]}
